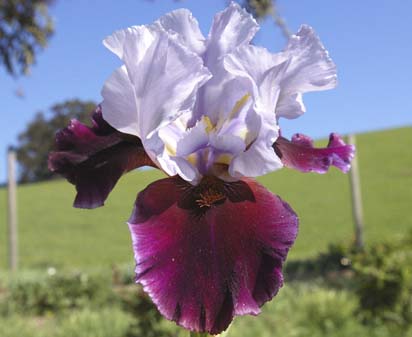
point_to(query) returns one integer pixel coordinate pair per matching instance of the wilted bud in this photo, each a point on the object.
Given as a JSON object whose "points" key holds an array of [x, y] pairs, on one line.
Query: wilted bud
{"points": [[259, 8]]}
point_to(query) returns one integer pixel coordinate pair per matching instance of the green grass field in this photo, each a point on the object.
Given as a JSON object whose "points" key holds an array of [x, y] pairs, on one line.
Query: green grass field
{"points": [[53, 233]]}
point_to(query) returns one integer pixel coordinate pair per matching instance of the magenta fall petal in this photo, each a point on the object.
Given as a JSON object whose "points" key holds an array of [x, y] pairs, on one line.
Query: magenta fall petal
{"points": [[300, 154], [210, 252], [94, 158]]}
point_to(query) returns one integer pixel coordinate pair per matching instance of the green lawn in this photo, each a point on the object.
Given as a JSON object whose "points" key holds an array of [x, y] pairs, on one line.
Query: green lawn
{"points": [[53, 233]]}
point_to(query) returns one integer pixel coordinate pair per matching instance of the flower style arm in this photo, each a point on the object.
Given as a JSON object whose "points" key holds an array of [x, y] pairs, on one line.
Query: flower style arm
{"points": [[94, 158]]}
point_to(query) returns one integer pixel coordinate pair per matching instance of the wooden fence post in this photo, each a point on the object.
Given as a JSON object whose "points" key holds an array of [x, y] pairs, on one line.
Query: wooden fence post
{"points": [[356, 196], [12, 209]]}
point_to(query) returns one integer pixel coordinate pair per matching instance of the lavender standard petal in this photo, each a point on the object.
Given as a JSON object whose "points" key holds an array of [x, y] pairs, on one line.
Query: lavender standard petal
{"points": [[157, 83]]}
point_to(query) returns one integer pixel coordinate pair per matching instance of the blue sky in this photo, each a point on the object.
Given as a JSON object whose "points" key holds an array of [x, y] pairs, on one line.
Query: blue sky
{"points": [[370, 41]]}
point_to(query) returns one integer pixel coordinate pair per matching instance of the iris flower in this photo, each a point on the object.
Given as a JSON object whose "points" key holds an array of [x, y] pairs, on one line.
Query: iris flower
{"points": [[209, 241]]}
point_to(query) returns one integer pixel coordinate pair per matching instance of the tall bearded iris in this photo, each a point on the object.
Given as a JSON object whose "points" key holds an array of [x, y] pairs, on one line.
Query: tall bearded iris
{"points": [[209, 241]]}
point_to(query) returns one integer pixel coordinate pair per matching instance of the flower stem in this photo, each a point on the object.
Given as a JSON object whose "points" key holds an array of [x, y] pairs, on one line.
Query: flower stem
{"points": [[197, 334], [204, 334]]}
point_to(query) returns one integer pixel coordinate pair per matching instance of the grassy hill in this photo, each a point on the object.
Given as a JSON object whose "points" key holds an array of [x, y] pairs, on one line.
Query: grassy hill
{"points": [[53, 233]]}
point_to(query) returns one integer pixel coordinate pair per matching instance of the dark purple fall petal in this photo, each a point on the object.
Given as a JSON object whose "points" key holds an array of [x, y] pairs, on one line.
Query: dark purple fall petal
{"points": [[94, 158], [204, 265], [300, 154]]}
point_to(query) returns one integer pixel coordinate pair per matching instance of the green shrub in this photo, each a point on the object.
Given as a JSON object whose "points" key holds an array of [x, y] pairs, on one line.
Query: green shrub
{"points": [[81, 323], [302, 310], [123, 274], [336, 258], [87, 323], [325, 310], [56, 294], [18, 326], [384, 281], [311, 310], [52, 293], [147, 320]]}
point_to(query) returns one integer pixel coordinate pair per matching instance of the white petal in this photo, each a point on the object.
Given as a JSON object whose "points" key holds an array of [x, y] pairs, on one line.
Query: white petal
{"points": [[303, 66], [119, 98], [264, 71], [227, 143], [170, 136], [231, 28], [269, 91], [178, 143], [165, 77], [166, 160], [251, 61], [187, 171], [180, 166], [182, 22], [260, 158], [193, 140], [132, 42], [309, 69], [219, 96]]}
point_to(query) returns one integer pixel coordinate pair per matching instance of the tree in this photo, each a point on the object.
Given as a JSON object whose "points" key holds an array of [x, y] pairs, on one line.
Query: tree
{"points": [[25, 27], [35, 143]]}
